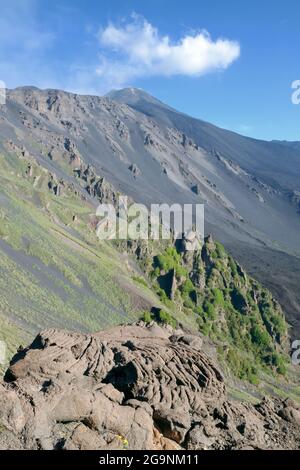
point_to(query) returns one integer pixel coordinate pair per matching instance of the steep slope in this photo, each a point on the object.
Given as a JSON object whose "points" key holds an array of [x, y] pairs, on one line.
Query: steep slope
{"points": [[294, 145], [266, 160], [237, 313], [62, 154], [155, 154], [54, 272]]}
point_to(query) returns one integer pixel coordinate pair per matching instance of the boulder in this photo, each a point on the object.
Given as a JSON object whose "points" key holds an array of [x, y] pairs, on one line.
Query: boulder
{"points": [[172, 423], [140, 386]]}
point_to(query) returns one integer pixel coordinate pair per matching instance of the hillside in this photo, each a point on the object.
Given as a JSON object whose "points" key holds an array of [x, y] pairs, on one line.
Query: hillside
{"points": [[54, 272], [62, 154], [153, 153]]}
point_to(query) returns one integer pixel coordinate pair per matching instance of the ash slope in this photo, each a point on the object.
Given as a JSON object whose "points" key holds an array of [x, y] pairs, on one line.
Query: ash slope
{"points": [[155, 154]]}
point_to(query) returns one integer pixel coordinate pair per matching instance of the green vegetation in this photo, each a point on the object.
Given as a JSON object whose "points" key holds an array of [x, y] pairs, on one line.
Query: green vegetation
{"points": [[165, 317], [235, 311], [160, 317], [13, 336], [140, 280], [168, 260], [54, 272], [147, 317], [243, 367]]}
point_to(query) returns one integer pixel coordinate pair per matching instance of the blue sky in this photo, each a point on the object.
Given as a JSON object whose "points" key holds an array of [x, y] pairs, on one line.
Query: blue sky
{"points": [[231, 63]]}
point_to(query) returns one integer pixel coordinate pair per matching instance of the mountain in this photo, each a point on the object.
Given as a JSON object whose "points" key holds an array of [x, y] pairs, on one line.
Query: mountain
{"points": [[294, 145], [260, 180], [172, 318], [265, 159], [134, 97], [153, 153]]}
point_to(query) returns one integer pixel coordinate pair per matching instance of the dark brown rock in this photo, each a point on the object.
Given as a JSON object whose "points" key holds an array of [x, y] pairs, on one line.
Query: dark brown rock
{"points": [[131, 387]]}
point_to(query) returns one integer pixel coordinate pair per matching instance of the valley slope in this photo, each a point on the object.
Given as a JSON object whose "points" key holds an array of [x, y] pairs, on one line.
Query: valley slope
{"points": [[153, 153]]}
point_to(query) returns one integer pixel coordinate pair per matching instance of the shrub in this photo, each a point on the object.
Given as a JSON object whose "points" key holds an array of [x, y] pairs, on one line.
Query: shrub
{"points": [[219, 266], [205, 328], [188, 303], [162, 295], [281, 369], [242, 367], [233, 266], [260, 337], [238, 300], [156, 271], [140, 280], [165, 317], [278, 362], [164, 263], [187, 287], [218, 298], [279, 324], [172, 252], [209, 309], [220, 250], [147, 317], [181, 272], [168, 260], [199, 311]]}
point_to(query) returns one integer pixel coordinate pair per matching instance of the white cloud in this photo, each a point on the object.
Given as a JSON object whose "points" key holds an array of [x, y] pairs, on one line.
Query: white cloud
{"points": [[30, 51], [139, 50]]}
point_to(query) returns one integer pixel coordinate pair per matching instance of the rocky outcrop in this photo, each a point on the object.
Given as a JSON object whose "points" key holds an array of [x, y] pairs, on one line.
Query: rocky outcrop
{"points": [[96, 186], [134, 387], [134, 170]]}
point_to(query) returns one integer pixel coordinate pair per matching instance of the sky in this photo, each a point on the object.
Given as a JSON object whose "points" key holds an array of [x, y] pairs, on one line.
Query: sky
{"points": [[230, 63]]}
